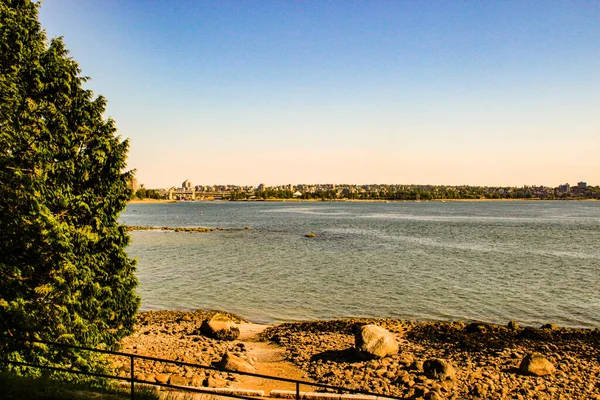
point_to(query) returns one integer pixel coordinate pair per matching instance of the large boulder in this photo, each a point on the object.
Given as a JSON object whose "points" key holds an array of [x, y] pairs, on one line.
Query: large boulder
{"points": [[375, 341], [438, 368], [220, 327], [231, 362], [536, 364]]}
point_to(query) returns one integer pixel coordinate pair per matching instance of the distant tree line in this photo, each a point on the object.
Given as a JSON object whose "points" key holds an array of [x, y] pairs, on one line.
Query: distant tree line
{"points": [[423, 193], [143, 193]]}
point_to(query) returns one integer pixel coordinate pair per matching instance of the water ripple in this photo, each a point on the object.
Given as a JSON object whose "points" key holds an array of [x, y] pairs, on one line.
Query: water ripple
{"points": [[532, 262]]}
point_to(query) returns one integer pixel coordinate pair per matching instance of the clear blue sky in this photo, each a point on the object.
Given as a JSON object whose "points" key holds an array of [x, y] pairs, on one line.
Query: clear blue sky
{"points": [[244, 92]]}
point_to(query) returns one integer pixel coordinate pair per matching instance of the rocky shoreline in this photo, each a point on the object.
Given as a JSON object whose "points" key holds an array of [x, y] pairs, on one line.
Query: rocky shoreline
{"points": [[192, 229], [486, 359], [482, 360]]}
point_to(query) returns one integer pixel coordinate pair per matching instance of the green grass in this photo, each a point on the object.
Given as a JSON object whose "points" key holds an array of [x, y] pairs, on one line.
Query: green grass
{"points": [[14, 387]]}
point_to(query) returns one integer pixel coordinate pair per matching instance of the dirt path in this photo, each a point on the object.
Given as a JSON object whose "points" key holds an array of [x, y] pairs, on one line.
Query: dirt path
{"points": [[270, 360], [175, 335]]}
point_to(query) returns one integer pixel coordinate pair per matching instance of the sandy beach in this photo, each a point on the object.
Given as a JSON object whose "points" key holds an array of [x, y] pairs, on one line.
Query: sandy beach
{"points": [[486, 357]]}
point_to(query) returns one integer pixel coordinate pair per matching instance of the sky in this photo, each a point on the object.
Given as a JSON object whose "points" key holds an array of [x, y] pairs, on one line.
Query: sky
{"points": [[492, 93]]}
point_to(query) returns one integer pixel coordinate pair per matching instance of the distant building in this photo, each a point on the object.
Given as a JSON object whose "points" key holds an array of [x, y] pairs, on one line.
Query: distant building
{"points": [[186, 185], [582, 185], [261, 187]]}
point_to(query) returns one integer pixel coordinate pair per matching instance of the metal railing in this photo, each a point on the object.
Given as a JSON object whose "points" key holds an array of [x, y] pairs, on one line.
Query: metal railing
{"points": [[133, 380]]}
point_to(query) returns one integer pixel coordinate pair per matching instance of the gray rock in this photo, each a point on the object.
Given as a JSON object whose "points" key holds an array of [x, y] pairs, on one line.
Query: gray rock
{"points": [[178, 381], [438, 368], [220, 327], [513, 326], [234, 363], [375, 341], [162, 378], [537, 365], [215, 382], [406, 359], [197, 380]]}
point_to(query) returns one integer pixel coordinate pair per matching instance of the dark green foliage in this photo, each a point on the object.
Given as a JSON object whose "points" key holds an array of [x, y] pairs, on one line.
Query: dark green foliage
{"points": [[64, 273], [143, 193]]}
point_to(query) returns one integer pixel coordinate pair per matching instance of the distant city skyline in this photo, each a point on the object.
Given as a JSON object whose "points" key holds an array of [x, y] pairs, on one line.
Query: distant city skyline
{"points": [[498, 93], [189, 184], [188, 191]]}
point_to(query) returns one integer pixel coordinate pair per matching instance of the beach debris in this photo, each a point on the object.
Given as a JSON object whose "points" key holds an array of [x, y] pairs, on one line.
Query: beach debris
{"points": [[438, 368], [234, 363], [247, 227], [375, 341], [310, 235], [220, 327], [536, 364]]}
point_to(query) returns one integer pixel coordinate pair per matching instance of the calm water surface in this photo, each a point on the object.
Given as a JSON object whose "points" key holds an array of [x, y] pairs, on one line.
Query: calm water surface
{"points": [[533, 262]]}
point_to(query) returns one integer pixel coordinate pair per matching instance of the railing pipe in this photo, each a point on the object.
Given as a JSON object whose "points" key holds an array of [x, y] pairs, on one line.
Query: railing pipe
{"points": [[182, 363], [132, 380]]}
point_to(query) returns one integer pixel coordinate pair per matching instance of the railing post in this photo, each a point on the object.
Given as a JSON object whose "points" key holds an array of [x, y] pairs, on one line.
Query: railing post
{"points": [[132, 380], [297, 390]]}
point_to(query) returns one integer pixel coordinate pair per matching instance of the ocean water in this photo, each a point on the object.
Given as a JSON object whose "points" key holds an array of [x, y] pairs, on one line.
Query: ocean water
{"points": [[529, 261]]}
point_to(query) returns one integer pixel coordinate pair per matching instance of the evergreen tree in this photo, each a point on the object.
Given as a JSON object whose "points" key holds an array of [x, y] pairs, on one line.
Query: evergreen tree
{"points": [[64, 273]]}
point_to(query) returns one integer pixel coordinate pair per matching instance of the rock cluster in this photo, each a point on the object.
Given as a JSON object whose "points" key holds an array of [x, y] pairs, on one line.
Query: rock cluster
{"points": [[175, 335], [167, 228], [444, 360]]}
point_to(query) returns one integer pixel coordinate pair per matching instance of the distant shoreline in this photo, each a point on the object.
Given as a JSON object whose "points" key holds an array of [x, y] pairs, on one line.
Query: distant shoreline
{"points": [[146, 201], [164, 201]]}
